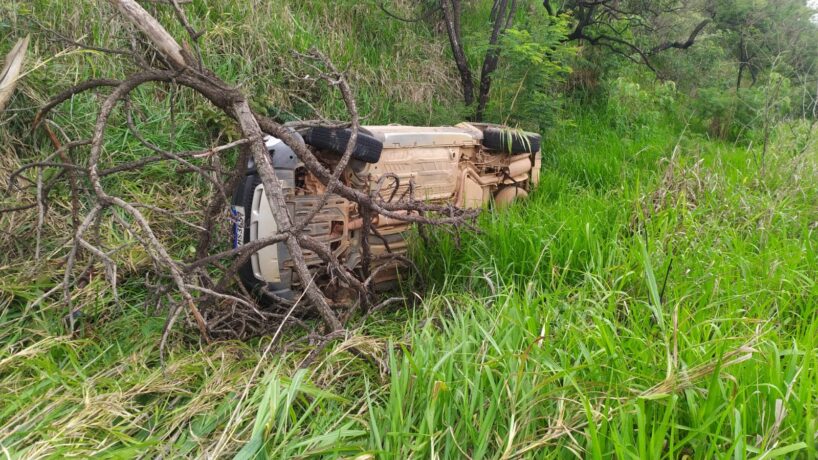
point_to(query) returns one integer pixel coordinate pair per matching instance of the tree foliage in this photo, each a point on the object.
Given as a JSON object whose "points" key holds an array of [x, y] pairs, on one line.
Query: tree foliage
{"points": [[635, 29], [726, 58]]}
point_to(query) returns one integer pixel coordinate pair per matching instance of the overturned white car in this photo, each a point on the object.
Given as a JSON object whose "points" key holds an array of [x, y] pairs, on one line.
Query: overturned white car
{"points": [[469, 165]]}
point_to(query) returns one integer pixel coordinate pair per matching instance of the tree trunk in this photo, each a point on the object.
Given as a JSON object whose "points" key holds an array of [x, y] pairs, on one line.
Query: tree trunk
{"points": [[742, 62], [502, 20], [451, 15]]}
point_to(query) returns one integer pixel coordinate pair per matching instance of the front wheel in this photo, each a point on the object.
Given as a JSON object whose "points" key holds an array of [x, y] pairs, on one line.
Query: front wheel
{"points": [[508, 195], [367, 148]]}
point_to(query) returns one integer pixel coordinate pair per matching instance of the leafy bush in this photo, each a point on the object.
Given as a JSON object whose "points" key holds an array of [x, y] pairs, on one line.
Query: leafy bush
{"points": [[631, 105], [527, 89], [741, 115]]}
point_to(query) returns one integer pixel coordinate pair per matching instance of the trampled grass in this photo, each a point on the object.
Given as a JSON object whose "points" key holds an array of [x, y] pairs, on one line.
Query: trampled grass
{"points": [[654, 298]]}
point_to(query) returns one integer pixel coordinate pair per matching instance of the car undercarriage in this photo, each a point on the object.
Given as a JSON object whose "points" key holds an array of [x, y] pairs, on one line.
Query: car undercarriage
{"points": [[467, 165]]}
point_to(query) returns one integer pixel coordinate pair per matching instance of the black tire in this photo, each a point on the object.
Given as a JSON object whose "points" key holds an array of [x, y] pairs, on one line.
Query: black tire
{"points": [[510, 141], [367, 148]]}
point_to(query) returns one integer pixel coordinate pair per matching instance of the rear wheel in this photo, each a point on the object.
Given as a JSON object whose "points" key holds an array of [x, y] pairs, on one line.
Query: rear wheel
{"points": [[510, 141]]}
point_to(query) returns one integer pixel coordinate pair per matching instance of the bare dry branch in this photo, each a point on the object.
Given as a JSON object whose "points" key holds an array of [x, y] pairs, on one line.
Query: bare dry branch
{"points": [[11, 71], [201, 284]]}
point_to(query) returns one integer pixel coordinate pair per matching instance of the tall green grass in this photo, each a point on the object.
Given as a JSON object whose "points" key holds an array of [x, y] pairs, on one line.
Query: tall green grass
{"points": [[669, 313], [661, 312]]}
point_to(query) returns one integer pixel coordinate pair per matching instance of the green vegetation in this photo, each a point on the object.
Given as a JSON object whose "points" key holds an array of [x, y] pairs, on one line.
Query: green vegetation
{"points": [[654, 298]]}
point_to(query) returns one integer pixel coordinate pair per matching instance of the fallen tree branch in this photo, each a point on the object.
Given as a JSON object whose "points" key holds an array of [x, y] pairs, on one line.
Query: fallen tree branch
{"points": [[201, 285], [11, 71]]}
